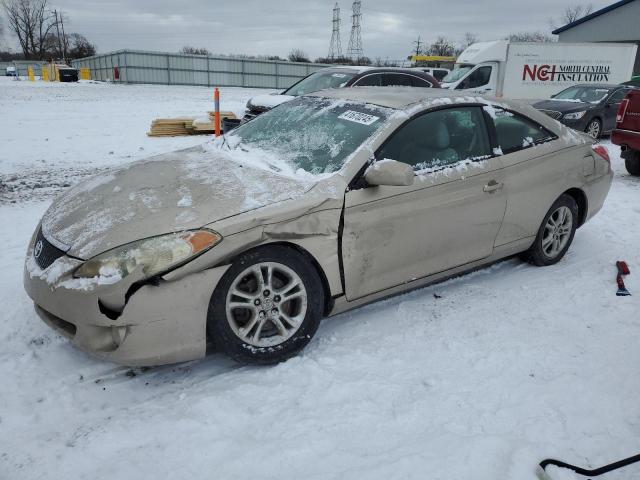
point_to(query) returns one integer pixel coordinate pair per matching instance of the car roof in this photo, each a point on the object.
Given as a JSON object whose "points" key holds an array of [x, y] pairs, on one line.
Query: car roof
{"points": [[368, 69], [394, 97], [353, 68]]}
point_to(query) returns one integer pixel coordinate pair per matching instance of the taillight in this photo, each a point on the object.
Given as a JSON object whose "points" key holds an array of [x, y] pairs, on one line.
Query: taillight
{"points": [[622, 110], [602, 152]]}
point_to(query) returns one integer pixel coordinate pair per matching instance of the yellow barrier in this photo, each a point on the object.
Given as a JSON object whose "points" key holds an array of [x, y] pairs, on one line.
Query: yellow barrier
{"points": [[32, 76], [85, 74], [45, 73], [57, 74]]}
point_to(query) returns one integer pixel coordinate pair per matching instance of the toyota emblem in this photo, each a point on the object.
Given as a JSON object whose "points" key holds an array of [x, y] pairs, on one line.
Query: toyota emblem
{"points": [[38, 249]]}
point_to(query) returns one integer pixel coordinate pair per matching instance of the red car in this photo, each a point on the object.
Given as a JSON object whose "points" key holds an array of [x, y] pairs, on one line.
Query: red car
{"points": [[627, 132]]}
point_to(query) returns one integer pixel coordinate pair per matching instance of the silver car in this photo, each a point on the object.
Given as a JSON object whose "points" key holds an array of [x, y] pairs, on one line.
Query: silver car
{"points": [[325, 203]]}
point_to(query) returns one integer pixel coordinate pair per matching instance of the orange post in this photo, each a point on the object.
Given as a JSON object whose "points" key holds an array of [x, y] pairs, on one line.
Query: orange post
{"points": [[216, 97]]}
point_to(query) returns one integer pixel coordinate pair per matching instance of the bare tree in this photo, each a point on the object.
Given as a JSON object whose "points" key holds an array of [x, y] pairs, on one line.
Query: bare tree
{"points": [[297, 55], [538, 37], [575, 12], [469, 39], [31, 21], [570, 14], [188, 50], [79, 46], [442, 47]]}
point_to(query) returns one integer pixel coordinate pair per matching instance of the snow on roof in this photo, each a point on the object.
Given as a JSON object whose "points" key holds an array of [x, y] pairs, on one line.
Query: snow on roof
{"points": [[392, 97]]}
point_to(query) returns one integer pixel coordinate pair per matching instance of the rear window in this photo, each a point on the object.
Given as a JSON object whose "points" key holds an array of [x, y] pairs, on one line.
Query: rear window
{"points": [[321, 80], [515, 132]]}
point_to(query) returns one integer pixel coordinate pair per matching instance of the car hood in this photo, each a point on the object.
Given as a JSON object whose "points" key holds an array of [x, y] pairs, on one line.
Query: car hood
{"points": [[263, 103], [178, 191], [564, 107]]}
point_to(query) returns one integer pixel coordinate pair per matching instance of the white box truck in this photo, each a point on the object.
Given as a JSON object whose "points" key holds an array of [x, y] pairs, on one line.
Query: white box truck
{"points": [[538, 70]]}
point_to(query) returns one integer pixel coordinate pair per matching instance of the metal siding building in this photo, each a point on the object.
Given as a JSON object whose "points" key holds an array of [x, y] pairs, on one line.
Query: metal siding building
{"points": [[619, 22], [135, 66]]}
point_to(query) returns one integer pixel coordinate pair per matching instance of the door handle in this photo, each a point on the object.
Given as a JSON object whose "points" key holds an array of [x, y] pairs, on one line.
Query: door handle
{"points": [[492, 186]]}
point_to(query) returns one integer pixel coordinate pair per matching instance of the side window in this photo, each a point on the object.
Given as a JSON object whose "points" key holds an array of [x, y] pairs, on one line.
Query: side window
{"points": [[373, 80], [420, 82], [515, 132], [396, 80], [478, 78], [439, 139], [440, 74], [618, 96]]}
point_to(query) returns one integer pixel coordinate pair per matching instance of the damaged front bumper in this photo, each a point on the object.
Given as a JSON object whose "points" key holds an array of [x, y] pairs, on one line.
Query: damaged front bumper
{"points": [[160, 323]]}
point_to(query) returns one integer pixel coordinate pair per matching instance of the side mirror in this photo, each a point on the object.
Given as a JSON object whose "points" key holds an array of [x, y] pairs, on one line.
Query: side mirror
{"points": [[389, 173]]}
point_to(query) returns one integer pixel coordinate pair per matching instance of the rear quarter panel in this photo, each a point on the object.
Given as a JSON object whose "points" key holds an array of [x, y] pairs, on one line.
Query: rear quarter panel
{"points": [[535, 177]]}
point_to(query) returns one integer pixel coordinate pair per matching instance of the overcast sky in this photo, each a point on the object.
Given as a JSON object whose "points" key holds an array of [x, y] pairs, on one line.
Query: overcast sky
{"points": [[261, 27]]}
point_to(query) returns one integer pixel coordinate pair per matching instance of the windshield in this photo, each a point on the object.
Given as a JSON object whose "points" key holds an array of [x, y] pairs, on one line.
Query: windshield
{"points": [[456, 74], [313, 134], [319, 81], [583, 94]]}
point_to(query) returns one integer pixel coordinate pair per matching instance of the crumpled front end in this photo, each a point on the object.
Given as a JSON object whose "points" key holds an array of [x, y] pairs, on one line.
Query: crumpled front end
{"points": [[154, 323]]}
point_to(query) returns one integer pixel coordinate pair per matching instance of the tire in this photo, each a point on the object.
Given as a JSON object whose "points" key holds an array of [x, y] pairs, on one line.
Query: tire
{"points": [[542, 253], [632, 162], [594, 128], [249, 318]]}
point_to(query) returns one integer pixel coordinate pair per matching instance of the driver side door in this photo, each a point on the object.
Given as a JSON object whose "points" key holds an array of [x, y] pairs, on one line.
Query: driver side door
{"points": [[450, 216]]}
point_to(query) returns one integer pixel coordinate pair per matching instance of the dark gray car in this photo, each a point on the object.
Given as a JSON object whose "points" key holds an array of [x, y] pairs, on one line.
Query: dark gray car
{"points": [[588, 108]]}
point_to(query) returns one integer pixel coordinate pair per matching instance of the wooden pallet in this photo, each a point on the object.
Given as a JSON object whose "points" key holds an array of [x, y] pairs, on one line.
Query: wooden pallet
{"points": [[182, 126]]}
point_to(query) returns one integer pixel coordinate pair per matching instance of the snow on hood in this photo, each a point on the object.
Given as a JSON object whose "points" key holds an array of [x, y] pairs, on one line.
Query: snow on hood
{"points": [[267, 102], [178, 191]]}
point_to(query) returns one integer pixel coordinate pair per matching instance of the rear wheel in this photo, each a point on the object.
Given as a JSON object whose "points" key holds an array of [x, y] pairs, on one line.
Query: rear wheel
{"points": [[267, 306], [556, 233], [632, 162], [594, 128]]}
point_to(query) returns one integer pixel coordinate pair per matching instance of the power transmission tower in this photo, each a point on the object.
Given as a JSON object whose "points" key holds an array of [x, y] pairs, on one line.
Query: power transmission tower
{"points": [[335, 49], [355, 51]]}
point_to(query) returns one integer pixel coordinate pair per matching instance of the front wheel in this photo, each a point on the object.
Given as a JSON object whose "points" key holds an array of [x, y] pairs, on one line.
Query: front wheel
{"points": [[594, 128], [556, 233], [632, 162], [267, 306]]}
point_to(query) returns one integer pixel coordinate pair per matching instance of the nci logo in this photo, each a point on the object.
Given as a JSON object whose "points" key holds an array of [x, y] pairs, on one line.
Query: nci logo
{"points": [[566, 73]]}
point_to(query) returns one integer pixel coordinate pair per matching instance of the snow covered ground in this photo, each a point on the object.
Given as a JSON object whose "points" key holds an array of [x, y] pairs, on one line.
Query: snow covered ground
{"points": [[480, 377]]}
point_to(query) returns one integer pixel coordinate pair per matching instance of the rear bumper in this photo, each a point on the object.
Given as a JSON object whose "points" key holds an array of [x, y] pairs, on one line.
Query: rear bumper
{"points": [[626, 138], [597, 190], [159, 324]]}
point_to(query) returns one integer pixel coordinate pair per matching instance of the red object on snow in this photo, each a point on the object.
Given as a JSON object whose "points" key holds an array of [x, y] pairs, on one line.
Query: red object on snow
{"points": [[623, 269]]}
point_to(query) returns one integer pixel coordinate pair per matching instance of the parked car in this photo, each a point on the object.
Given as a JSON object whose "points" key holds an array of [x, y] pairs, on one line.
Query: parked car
{"points": [[627, 131], [436, 72], [588, 108], [328, 202], [10, 72], [341, 77]]}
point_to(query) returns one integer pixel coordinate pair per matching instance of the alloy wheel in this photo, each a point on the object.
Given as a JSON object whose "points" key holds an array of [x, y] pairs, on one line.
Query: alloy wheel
{"points": [[266, 304], [593, 129], [557, 231]]}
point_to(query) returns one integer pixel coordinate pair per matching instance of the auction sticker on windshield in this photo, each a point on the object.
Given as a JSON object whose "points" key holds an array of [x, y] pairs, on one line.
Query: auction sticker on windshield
{"points": [[359, 117]]}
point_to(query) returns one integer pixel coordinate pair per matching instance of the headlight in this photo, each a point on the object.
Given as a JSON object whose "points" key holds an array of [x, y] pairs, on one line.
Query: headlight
{"points": [[575, 116], [152, 255]]}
